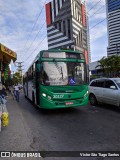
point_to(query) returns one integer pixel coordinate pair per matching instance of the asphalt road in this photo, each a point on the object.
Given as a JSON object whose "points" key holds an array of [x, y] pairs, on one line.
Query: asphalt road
{"points": [[86, 128]]}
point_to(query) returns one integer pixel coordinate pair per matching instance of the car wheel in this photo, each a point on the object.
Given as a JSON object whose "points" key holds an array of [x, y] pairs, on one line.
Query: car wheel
{"points": [[92, 99]]}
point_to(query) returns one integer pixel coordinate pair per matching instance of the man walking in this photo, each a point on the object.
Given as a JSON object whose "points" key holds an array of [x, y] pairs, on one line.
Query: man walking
{"points": [[16, 92]]}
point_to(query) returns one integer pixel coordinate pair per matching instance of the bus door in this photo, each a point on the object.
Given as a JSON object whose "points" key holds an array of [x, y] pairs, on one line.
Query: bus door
{"points": [[37, 82]]}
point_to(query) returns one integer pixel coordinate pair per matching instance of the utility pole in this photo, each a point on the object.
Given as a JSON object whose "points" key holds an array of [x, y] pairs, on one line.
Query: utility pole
{"points": [[20, 67]]}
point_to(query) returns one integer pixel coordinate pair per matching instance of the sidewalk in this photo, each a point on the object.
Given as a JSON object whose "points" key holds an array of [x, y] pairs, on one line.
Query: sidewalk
{"points": [[17, 135]]}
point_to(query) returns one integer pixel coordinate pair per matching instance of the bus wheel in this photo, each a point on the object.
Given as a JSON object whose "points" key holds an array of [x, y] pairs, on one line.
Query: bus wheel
{"points": [[33, 98], [93, 100]]}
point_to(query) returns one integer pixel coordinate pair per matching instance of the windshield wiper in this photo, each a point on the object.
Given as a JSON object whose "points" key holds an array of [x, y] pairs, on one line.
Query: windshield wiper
{"points": [[62, 72], [59, 68]]}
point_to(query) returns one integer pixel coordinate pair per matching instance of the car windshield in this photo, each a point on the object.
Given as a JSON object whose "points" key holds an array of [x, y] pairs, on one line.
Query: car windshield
{"points": [[117, 82], [62, 73]]}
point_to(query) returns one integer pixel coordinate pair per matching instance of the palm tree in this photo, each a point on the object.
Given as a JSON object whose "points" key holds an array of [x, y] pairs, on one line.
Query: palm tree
{"points": [[110, 65], [102, 64]]}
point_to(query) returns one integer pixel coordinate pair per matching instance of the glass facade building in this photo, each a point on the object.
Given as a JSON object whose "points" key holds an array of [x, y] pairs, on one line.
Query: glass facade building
{"points": [[113, 21]]}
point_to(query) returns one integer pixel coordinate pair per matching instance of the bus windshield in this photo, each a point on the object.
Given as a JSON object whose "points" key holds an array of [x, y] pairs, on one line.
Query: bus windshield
{"points": [[62, 73]]}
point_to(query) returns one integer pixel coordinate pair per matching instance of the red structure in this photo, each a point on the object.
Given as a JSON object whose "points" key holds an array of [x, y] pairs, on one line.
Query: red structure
{"points": [[83, 15], [48, 14]]}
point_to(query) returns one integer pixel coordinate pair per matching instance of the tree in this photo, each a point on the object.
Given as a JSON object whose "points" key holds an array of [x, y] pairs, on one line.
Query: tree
{"points": [[17, 78], [110, 65], [102, 64], [9, 82]]}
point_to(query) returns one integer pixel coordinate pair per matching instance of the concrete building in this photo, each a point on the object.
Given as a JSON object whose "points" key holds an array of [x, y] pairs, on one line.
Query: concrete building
{"points": [[113, 24], [67, 25], [95, 69], [88, 40]]}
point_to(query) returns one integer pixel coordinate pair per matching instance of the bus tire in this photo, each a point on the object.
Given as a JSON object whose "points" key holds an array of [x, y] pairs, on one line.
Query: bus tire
{"points": [[33, 98], [93, 100]]}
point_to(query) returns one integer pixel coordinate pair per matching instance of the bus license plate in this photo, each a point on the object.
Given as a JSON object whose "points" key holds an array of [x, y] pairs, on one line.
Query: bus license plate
{"points": [[69, 103]]}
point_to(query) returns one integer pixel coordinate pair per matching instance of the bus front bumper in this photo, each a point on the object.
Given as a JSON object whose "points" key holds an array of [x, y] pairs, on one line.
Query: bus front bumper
{"points": [[50, 104]]}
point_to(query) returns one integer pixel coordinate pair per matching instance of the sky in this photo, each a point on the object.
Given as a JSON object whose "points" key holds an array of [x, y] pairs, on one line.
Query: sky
{"points": [[23, 28]]}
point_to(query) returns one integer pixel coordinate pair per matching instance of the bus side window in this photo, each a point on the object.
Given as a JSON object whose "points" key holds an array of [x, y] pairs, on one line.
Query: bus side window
{"points": [[37, 73], [41, 72]]}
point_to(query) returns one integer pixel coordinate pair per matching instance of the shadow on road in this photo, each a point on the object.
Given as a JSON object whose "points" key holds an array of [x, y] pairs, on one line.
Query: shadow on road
{"points": [[109, 107], [59, 111]]}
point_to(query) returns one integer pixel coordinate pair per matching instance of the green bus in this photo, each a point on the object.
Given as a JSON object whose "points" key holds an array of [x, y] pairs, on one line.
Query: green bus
{"points": [[57, 79]]}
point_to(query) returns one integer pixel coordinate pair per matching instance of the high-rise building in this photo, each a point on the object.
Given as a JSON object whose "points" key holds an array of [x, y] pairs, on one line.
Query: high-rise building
{"points": [[88, 40], [113, 23], [67, 25]]}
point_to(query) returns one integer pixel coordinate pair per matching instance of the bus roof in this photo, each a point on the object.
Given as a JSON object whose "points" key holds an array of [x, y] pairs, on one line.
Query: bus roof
{"points": [[61, 50]]}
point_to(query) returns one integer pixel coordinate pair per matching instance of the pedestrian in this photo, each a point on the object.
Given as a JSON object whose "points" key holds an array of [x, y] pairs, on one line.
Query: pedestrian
{"points": [[4, 92], [11, 89], [16, 92]]}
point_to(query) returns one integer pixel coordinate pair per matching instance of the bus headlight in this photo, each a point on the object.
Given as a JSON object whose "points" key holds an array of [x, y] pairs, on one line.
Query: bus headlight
{"points": [[86, 94], [43, 94]]}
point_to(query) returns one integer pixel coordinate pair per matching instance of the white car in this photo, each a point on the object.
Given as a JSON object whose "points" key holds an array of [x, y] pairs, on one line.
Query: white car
{"points": [[105, 90]]}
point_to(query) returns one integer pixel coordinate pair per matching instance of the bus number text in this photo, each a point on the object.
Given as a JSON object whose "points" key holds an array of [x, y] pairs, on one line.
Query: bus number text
{"points": [[58, 96]]}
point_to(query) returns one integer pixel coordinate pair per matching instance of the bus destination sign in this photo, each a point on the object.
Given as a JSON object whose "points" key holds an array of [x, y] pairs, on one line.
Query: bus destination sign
{"points": [[63, 55]]}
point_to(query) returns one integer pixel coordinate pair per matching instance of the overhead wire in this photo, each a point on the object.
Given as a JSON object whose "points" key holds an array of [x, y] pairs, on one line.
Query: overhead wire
{"points": [[97, 24], [59, 18], [43, 25], [94, 6], [45, 37], [35, 37], [36, 48], [100, 9], [34, 25], [97, 11], [45, 22], [100, 21]]}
